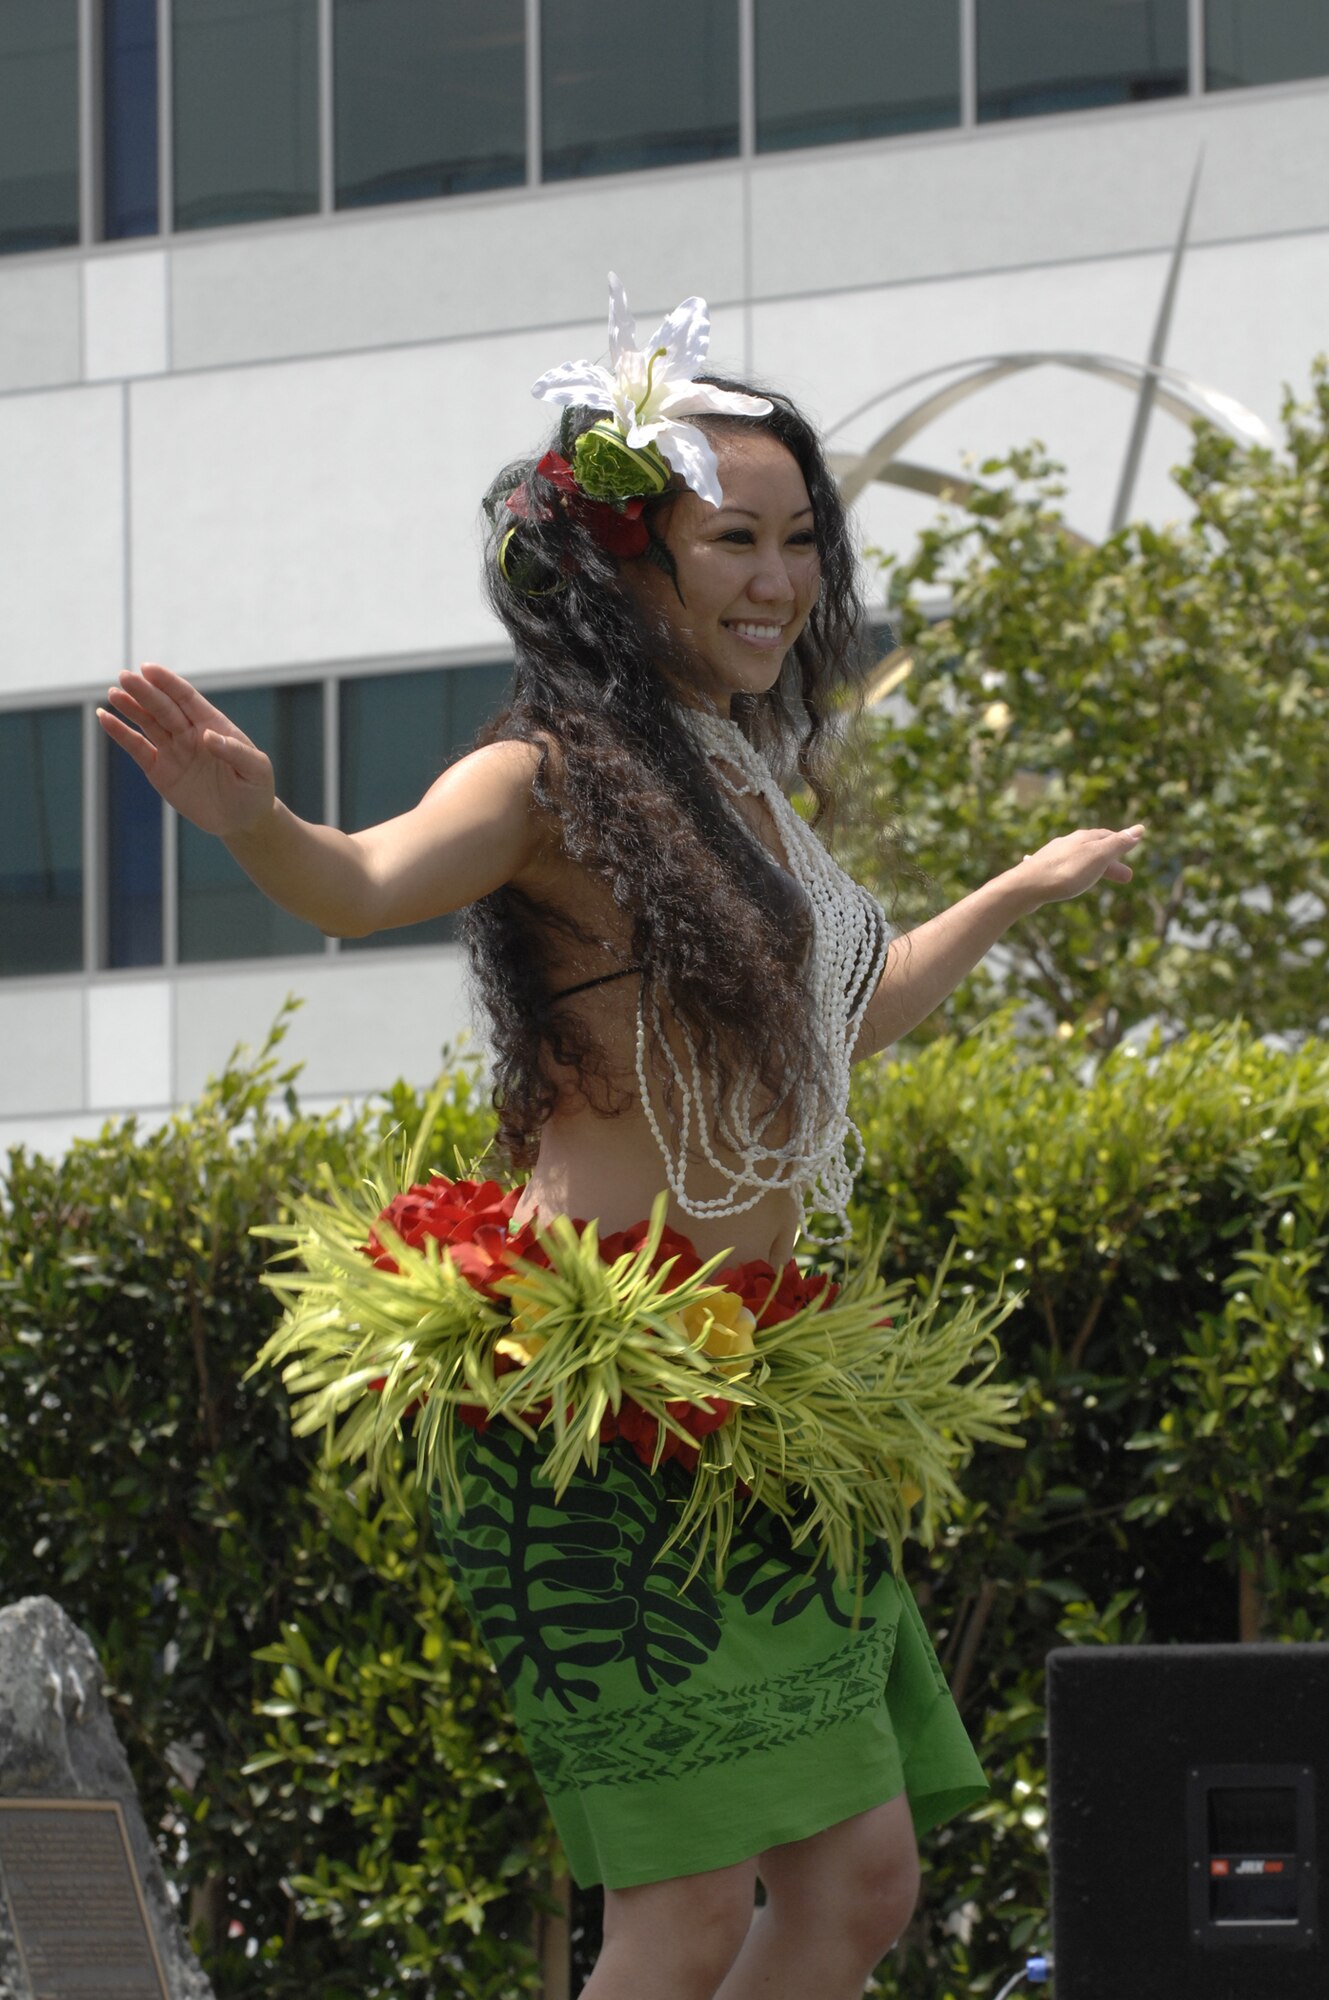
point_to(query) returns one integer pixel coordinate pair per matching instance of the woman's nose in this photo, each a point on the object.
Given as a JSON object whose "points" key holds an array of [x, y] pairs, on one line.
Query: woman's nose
{"points": [[771, 582]]}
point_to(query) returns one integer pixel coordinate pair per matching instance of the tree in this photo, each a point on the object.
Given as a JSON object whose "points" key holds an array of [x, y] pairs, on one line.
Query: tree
{"points": [[1176, 675]]}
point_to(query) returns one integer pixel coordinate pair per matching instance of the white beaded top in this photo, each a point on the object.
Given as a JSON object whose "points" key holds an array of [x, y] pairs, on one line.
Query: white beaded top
{"points": [[850, 937]]}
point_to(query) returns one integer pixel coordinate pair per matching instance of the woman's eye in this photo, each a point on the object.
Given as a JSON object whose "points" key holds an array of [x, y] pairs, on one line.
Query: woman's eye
{"points": [[737, 535]]}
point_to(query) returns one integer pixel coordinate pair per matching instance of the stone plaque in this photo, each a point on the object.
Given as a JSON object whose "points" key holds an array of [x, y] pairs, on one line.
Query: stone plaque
{"points": [[75, 1901]]}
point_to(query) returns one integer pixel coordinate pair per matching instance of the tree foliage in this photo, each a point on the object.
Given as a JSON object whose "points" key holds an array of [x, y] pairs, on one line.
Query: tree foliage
{"points": [[1176, 675]]}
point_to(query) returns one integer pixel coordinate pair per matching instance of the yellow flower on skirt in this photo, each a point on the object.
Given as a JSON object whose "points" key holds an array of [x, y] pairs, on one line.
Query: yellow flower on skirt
{"points": [[723, 1328]]}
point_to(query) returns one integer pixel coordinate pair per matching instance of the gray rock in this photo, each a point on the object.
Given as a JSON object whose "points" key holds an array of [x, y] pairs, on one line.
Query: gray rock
{"points": [[57, 1740]]}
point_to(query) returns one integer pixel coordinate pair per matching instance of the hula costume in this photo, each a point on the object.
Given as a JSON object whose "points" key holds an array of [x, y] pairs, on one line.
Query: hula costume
{"points": [[673, 1498], [674, 1495], [679, 1729]]}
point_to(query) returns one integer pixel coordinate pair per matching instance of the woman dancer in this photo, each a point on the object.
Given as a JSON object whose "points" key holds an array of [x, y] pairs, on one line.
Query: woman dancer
{"points": [[677, 979]]}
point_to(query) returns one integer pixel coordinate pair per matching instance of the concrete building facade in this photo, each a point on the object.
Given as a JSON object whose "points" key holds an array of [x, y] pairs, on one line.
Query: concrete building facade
{"points": [[255, 450]]}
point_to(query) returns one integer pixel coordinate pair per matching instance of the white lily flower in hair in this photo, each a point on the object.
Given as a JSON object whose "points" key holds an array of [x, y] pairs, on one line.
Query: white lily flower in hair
{"points": [[647, 389]]}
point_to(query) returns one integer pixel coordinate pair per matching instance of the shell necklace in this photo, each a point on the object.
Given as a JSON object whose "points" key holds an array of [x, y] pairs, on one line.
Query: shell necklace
{"points": [[850, 937]]}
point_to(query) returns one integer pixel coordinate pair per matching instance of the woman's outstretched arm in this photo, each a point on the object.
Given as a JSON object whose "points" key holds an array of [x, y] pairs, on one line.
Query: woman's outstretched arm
{"points": [[926, 965], [474, 829]]}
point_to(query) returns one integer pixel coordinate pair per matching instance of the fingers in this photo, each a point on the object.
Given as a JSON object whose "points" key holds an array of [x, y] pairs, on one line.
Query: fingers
{"points": [[142, 752], [195, 707], [139, 692], [237, 752], [134, 711]]}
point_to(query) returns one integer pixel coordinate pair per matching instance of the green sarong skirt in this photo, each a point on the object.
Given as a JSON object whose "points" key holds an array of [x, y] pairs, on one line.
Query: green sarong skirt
{"points": [[677, 1730]]}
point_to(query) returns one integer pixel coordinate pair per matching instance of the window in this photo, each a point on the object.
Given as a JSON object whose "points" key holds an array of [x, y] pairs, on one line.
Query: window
{"points": [[39, 204], [133, 832], [221, 912], [855, 70], [637, 85], [245, 110], [1264, 41], [41, 840], [398, 731], [129, 118], [430, 98], [1064, 55]]}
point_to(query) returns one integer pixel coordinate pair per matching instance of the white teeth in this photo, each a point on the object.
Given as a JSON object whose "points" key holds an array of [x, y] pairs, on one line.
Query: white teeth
{"points": [[758, 631]]}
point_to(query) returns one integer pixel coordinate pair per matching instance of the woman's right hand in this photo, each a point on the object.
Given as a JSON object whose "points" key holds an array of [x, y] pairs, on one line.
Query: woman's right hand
{"points": [[194, 755]]}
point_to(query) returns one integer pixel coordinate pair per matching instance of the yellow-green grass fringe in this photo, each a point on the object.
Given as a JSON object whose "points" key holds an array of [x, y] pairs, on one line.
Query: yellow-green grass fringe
{"points": [[847, 1428]]}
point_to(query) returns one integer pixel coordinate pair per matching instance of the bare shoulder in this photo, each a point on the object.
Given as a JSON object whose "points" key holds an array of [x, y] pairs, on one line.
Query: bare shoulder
{"points": [[506, 769]]}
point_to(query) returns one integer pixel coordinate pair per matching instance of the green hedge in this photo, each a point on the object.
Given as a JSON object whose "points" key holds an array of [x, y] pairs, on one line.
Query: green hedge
{"points": [[159, 1497], [1167, 1214], [361, 1816]]}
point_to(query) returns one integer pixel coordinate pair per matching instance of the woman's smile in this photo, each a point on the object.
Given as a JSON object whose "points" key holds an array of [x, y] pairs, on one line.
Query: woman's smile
{"points": [[747, 573]]}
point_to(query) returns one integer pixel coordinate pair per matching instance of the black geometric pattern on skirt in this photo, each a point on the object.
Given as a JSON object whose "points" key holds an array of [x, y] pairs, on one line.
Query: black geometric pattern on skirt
{"points": [[564, 1588], [695, 1732]]}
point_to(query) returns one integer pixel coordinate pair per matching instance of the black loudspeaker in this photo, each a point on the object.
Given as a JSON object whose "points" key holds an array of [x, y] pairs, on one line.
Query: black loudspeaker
{"points": [[1187, 1789]]}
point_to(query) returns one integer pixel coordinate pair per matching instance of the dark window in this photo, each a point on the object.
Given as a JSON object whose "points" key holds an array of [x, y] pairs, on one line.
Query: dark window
{"points": [[133, 864], [41, 840], [129, 118], [38, 124], [221, 913], [245, 110], [1264, 41], [398, 731], [627, 84], [1066, 55], [854, 70], [430, 98]]}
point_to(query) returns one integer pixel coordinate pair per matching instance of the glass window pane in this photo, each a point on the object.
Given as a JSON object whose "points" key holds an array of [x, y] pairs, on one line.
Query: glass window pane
{"points": [[1065, 55], [221, 913], [398, 731], [1264, 41], [430, 99], [129, 118], [41, 840], [637, 86], [38, 124], [245, 110], [133, 864], [854, 70]]}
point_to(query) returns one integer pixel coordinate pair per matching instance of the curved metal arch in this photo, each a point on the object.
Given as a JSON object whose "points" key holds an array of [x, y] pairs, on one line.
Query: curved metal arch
{"points": [[953, 488], [1182, 396]]}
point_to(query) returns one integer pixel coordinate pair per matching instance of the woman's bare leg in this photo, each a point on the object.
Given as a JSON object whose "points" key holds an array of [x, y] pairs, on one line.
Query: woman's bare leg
{"points": [[835, 1904], [673, 1940]]}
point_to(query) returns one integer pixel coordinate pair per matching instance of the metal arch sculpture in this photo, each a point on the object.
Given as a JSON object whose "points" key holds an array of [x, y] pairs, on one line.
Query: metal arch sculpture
{"points": [[1182, 396]]}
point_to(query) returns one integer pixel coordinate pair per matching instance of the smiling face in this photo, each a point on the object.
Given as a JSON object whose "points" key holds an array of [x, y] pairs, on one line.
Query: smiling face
{"points": [[748, 571]]}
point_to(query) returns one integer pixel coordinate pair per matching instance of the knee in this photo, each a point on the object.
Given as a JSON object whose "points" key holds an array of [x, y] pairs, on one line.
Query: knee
{"points": [[689, 1930], [709, 1935], [863, 1904], [886, 1898]]}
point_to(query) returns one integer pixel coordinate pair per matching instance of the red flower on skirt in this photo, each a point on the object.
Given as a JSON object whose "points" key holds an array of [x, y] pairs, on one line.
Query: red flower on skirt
{"points": [[775, 1298], [474, 1220]]}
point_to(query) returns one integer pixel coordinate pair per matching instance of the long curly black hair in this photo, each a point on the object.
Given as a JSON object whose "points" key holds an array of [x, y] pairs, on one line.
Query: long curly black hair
{"points": [[706, 916]]}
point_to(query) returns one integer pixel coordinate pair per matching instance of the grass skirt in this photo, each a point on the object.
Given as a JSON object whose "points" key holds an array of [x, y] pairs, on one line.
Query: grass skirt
{"points": [[674, 1725]]}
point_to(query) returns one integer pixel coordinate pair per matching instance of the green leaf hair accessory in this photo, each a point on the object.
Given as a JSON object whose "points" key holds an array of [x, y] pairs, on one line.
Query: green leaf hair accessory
{"points": [[607, 468], [646, 390]]}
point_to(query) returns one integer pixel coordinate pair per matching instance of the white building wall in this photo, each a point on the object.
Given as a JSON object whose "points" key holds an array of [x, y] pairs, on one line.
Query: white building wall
{"points": [[261, 450]]}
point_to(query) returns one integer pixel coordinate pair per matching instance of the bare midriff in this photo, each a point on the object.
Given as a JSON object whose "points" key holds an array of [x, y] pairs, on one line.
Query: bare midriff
{"points": [[607, 1168]]}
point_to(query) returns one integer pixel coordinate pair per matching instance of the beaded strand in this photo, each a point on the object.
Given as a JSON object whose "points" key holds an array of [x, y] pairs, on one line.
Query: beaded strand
{"points": [[850, 938]]}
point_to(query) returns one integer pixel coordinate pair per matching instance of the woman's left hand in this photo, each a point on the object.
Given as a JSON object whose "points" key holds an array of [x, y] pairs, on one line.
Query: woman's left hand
{"points": [[1072, 863]]}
